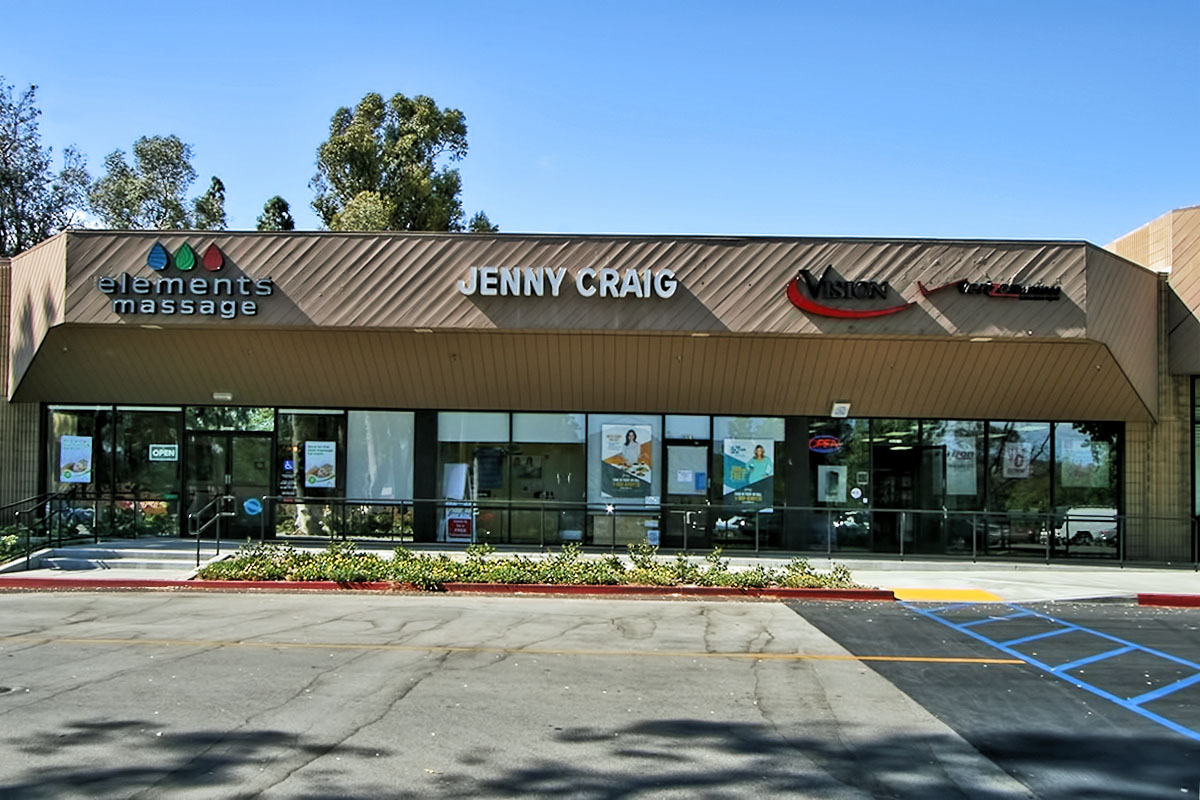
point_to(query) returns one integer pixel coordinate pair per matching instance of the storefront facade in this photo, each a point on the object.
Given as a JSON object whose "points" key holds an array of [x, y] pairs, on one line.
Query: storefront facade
{"points": [[815, 395]]}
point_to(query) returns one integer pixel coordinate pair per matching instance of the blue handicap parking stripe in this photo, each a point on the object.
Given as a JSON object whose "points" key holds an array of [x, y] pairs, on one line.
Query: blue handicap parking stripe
{"points": [[1134, 704]]}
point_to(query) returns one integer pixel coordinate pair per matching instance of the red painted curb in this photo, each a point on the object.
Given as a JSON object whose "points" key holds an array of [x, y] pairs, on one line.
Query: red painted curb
{"points": [[1173, 600], [685, 591], [781, 593]]}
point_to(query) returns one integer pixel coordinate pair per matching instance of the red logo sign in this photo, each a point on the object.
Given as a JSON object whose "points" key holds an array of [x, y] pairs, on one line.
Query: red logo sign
{"points": [[834, 288], [825, 444]]}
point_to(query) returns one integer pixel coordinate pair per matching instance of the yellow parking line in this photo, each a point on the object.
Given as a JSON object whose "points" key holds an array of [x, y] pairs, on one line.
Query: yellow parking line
{"points": [[417, 648], [947, 595]]}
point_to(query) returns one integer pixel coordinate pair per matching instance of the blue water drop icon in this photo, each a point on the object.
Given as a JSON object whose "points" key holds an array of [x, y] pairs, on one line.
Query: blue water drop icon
{"points": [[158, 258]]}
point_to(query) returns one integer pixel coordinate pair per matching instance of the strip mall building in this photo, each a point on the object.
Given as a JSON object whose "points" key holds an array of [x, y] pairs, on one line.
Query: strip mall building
{"points": [[941, 397]]}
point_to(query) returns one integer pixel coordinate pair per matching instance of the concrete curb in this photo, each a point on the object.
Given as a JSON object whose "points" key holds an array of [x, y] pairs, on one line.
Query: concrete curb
{"points": [[715, 592], [1169, 600]]}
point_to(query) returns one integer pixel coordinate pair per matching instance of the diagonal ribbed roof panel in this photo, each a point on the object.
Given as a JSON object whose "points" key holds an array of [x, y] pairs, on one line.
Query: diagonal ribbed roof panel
{"points": [[341, 327]]}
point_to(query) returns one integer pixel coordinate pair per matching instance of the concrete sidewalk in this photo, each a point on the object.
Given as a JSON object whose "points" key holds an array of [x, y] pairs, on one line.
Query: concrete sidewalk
{"points": [[936, 581]]}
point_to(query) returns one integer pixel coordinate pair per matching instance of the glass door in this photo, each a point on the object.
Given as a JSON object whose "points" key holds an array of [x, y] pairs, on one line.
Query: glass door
{"points": [[686, 512], [236, 464]]}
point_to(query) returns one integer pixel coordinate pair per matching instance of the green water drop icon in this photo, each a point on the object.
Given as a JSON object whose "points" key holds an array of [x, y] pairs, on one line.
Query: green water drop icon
{"points": [[185, 257]]}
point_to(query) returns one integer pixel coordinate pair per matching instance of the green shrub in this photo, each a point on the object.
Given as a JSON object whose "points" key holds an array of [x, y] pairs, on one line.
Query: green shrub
{"points": [[344, 563]]}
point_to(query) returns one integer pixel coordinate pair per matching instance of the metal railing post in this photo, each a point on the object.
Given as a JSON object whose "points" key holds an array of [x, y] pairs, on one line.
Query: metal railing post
{"points": [[1050, 539], [542, 526], [974, 537], [757, 517]]}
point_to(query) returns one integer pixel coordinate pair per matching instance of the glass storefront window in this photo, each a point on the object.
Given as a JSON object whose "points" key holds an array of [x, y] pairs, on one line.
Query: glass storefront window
{"points": [[1019, 466], [79, 461], [230, 418], [379, 466], [379, 455], [958, 447], [548, 477], [748, 455], [310, 465], [148, 455], [839, 457], [1086, 492], [79, 454], [472, 476], [687, 426], [624, 477], [1086, 464]]}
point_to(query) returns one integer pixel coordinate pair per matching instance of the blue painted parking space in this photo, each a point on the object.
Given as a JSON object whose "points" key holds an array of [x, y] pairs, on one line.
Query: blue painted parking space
{"points": [[1124, 672]]}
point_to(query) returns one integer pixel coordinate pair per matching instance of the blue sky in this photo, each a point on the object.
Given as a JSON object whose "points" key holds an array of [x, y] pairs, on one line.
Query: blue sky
{"points": [[1050, 119]]}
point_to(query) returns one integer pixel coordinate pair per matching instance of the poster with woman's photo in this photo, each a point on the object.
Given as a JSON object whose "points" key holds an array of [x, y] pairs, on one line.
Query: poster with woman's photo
{"points": [[749, 471], [831, 484], [625, 456], [75, 459]]}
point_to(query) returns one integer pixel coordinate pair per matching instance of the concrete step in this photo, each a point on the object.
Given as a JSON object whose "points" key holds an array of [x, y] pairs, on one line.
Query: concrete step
{"points": [[112, 553], [74, 563]]}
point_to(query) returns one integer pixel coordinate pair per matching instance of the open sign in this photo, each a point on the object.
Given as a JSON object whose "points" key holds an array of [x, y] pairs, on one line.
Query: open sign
{"points": [[164, 452], [825, 444]]}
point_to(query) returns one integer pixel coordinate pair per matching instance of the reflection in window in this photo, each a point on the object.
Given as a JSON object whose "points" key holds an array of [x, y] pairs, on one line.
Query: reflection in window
{"points": [[839, 454], [547, 469], [230, 418], [961, 441], [472, 473], [1019, 466], [380, 455], [1086, 464], [310, 466]]}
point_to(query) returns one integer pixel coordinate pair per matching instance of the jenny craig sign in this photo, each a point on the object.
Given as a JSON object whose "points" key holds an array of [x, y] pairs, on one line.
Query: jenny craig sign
{"points": [[185, 295], [588, 282]]}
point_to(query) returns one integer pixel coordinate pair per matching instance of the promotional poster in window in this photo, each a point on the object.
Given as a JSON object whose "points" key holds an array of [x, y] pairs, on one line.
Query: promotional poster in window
{"points": [[625, 455], [749, 472]]}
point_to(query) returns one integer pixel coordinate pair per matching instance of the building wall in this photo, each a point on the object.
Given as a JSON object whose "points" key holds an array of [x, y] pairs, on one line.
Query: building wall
{"points": [[1158, 457], [18, 422]]}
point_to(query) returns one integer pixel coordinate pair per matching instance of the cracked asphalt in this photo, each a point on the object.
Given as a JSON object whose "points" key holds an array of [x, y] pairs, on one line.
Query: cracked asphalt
{"points": [[143, 695]]}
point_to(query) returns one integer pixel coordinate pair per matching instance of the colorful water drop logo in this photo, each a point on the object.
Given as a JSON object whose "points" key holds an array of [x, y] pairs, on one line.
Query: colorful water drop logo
{"points": [[213, 259], [185, 258], [158, 258]]}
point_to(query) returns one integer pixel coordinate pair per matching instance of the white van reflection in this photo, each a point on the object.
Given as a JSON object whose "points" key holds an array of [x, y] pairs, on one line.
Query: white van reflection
{"points": [[1087, 526]]}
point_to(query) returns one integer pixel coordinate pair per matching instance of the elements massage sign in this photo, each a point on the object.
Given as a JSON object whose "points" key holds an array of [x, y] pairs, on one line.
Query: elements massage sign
{"points": [[224, 297]]}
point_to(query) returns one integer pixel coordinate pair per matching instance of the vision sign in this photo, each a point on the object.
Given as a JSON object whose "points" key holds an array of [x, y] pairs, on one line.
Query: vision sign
{"points": [[812, 294], [809, 293], [189, 294]]}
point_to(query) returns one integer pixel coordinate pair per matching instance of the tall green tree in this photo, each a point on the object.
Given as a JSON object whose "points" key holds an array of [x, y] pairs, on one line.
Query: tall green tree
{"points": [[386, 166], [276, 216], [151, 194], [481, 224], [35, 202], [208, 210]]}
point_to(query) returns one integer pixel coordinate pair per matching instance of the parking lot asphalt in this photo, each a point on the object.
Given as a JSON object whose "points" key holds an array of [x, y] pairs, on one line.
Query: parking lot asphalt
{"points": [[355, 695], [362, 695]]}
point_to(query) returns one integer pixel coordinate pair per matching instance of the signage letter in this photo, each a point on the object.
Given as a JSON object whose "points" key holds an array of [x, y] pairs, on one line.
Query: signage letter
{"points": [[589, 289], [469, 286]]}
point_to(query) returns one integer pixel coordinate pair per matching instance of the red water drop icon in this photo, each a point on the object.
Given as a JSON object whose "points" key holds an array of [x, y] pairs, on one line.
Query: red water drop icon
{"points": [[213, 259]]}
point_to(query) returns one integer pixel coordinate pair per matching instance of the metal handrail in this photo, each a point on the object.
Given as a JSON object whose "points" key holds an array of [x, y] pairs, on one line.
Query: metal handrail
{"points": [[40, 502], [1043, 535], [193, 516], [36, 499]]}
